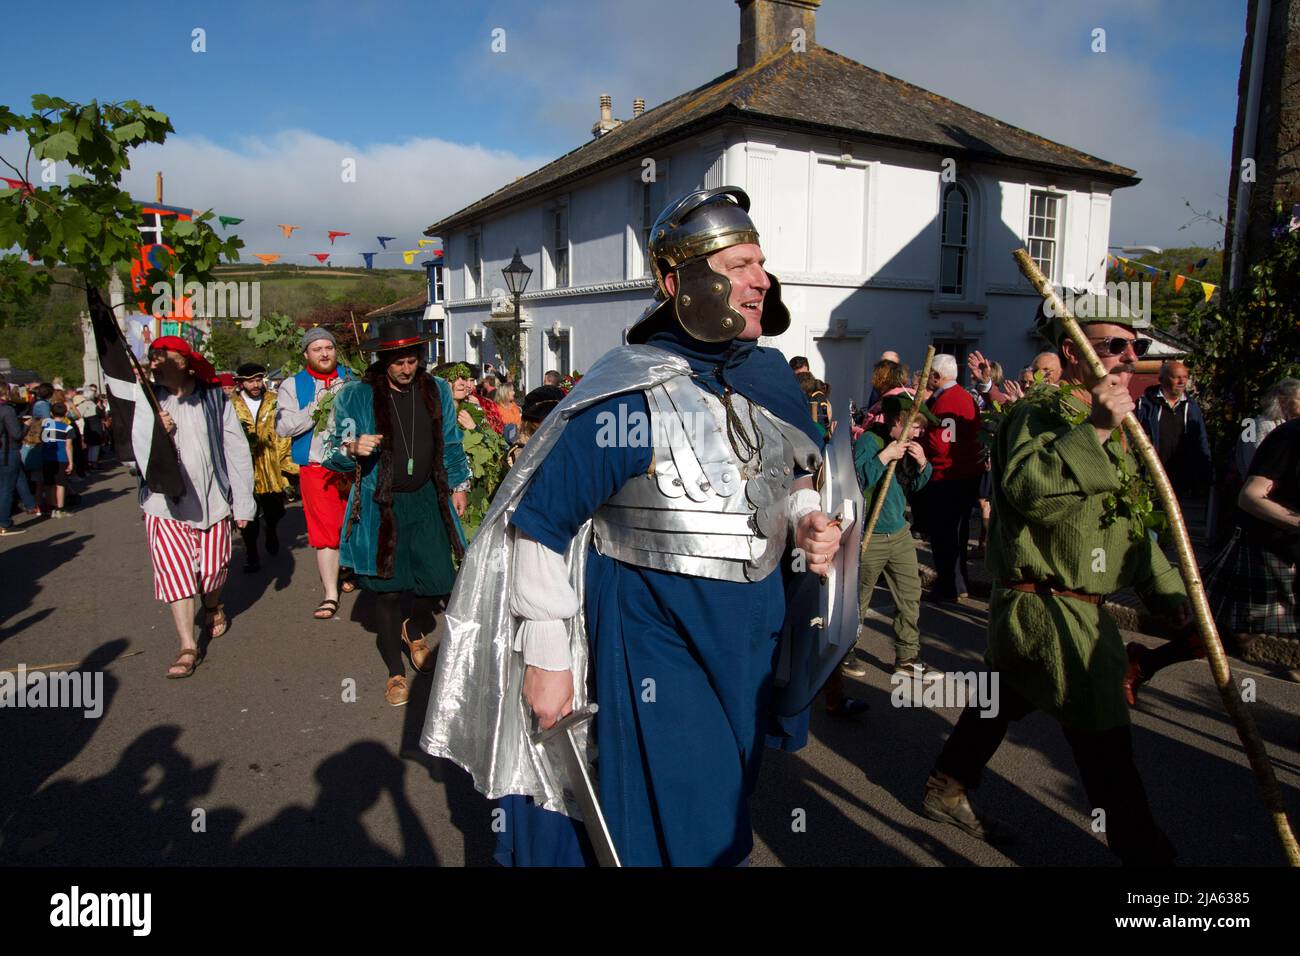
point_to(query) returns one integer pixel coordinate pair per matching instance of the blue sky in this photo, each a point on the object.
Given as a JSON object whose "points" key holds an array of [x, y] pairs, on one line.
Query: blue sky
{"points": [[438, 119]]}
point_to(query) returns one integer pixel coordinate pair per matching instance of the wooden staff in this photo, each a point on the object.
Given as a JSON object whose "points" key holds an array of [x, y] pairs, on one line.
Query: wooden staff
{"points": [[1232, 702], [904, 435]]}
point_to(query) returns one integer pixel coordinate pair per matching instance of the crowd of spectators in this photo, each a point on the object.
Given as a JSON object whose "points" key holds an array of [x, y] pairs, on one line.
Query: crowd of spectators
{"points": [[50, 439]]}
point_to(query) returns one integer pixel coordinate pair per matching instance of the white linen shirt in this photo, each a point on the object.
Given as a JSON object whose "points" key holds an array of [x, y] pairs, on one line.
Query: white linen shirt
{"points": [[202, 505]]}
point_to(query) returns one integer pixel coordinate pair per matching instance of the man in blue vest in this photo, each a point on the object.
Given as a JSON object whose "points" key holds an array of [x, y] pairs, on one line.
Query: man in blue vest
{"points": [[324, 492]]}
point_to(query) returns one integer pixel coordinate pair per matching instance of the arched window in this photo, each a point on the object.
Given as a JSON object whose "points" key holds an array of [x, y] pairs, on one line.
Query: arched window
{"points": [[955, 237]]}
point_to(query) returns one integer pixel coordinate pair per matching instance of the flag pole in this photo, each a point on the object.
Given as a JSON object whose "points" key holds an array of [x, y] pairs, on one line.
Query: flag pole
{"points": [[1232, 701]]}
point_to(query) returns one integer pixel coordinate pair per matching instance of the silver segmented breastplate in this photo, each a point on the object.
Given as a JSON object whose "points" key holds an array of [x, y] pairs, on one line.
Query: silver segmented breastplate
{"points": [[700, 510]]}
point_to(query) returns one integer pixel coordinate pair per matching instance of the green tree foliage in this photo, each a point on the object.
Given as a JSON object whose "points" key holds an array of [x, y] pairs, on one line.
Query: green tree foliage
{"points": [[90, 224], [1167, 304], [1246, 341]]}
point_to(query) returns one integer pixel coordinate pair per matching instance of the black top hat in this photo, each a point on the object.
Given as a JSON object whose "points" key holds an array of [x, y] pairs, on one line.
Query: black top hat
{"points": [[396, 333], [541, 401]]}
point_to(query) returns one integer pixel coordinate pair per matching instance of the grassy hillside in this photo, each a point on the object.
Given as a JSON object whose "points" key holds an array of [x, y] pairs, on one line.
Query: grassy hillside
{"points": [[47, 335]]}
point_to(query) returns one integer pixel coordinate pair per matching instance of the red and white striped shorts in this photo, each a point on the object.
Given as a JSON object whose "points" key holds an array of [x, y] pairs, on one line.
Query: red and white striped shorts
{"points": [[185, 559]]}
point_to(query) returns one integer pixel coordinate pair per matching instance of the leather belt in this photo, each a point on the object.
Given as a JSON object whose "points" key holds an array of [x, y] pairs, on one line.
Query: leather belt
{"points": [[1046, 590]]}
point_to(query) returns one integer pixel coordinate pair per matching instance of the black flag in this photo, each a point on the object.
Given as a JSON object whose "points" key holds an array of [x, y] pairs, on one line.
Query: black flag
{"points": [[158, 463]]}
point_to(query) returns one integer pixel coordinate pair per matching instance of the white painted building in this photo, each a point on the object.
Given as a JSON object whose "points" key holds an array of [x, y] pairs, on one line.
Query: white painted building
{"points": [[888, 213]]}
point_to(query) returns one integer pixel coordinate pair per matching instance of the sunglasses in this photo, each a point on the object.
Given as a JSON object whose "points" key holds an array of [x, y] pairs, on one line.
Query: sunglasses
{"points": [[1118, 344]]}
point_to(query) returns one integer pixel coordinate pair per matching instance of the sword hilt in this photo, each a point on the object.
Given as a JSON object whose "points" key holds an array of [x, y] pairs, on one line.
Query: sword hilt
{"points": [[566, 723]]}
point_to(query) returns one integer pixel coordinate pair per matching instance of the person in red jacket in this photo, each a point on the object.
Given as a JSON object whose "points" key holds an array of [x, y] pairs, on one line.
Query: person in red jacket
{"points": [[953, 448]]}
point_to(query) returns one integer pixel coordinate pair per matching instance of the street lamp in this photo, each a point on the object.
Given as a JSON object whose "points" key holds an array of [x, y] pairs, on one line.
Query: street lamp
{"points": [[517, 275]]}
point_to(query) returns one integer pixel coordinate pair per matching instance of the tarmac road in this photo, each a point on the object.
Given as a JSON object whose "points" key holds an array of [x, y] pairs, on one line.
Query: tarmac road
{"points": [[259, 759]]}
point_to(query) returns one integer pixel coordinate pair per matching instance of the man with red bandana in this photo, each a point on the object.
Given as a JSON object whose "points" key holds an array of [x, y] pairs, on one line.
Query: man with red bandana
{"points": [[189, 533]]}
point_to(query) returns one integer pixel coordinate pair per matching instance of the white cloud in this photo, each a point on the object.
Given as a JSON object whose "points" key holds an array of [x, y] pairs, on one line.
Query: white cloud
{"points": [[296, 178]]}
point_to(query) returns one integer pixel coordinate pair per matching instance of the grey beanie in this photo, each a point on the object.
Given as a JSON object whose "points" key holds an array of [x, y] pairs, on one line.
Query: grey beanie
{"points": [[315, 335]]}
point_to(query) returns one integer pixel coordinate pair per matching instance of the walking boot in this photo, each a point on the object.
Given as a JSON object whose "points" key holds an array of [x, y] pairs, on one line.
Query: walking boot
{"points": [[946, 801]]}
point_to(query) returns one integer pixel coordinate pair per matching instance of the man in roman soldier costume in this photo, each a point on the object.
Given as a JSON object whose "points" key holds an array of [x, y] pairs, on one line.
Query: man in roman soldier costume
{"points": [[395, 431], [632, 557]]}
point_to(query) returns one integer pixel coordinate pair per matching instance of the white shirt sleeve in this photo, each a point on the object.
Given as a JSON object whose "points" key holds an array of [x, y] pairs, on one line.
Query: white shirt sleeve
{"points": [[800, 503], [544, 599], [290, 419]]}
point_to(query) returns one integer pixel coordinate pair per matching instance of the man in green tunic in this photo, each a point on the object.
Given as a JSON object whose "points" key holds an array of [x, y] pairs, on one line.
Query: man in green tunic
{"points": [[1060, 540]]}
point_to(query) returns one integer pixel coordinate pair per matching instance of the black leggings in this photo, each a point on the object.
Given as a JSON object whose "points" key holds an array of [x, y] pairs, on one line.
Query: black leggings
{"points": [[1106, 766], [388, 616]]}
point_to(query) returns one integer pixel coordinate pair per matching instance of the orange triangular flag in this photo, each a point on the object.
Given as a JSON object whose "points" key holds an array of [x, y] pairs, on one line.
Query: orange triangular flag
{"points": [[287, 230], [1178, 283], [266, 258]]}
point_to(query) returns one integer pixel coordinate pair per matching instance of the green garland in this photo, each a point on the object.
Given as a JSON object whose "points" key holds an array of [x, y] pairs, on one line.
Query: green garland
{"points": [[1136, 499], [453, 372], [485, 451]]}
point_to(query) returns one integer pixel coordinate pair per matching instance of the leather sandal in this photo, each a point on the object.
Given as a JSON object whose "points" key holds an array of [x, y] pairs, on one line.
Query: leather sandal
{"points": [[419, 650], [188, 659], [330, 605], [216, 621]]}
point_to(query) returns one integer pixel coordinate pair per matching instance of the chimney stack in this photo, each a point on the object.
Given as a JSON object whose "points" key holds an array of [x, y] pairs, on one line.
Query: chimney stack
{"points": [[768, 25], [606, 121], [638, 107]]}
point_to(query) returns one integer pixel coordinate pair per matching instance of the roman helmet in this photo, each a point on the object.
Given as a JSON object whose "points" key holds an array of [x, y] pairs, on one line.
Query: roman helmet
{"points": [[686, 233]]}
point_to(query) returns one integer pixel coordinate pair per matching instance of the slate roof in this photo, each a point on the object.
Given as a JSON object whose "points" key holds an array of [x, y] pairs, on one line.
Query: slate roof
{"points": [[412, 303], [817, 91]]}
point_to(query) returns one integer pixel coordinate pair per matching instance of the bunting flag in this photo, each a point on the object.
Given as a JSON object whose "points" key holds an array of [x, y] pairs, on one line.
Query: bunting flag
{"points": [[266, 257], [370, 259], [287, 229], [229, 220], [426, 242], [1178, 283], [334, 234], [150, 448], [1208, 290], [17, 184], [320, 256], [385, 240], [1202, 263], [409, 254], [365, 326]]}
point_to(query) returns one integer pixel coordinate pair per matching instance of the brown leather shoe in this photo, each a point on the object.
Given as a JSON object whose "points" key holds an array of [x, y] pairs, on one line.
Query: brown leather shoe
{"points": [[398, 691], [419, 649]]}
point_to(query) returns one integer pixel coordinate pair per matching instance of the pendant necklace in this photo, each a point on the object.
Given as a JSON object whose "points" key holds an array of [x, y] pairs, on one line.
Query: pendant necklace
{"points": [[410, 456]]}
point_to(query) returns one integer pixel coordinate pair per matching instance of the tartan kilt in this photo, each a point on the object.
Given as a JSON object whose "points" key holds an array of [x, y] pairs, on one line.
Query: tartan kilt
{"points": [[1251, 590]]}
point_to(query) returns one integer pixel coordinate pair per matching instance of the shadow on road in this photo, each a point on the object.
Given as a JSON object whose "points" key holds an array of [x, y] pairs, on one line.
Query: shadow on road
{"points": [[330, 833], [39, 742], [24, 566]]}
